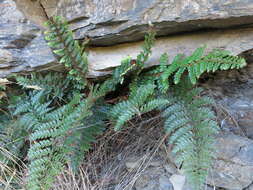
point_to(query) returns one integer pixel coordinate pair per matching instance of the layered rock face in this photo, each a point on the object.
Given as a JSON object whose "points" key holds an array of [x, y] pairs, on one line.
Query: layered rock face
{"points": [[22, 46], [110, 22], [185, 26]]}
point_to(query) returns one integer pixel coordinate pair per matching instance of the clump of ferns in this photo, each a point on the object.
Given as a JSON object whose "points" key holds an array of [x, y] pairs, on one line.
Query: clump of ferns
{"points": [[61, 133], [189, 120]]}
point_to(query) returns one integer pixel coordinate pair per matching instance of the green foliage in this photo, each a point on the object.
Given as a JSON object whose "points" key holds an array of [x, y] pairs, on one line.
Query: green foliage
{"points": [[140, 101], [61, 115], [191, 126], [195, 65], [84, 135], [68, 50], [49, 128], [53, 84]]}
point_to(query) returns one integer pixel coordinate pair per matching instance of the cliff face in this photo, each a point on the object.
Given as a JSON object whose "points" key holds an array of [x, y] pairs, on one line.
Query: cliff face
{"points": [[184, 25], [109, 22]]}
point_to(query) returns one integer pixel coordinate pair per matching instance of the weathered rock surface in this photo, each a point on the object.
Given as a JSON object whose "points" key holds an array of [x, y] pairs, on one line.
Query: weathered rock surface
{"points": [[153, 178], [236, 41], [109, 22], [234, 96], [22, 47], [250, 187], [233, 168]]}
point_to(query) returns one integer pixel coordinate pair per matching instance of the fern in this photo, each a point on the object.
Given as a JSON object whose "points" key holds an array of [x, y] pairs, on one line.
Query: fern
{"points": [[62, 131], [40, 150], [54, 84], [68, 50], [80, 139], [192, 126], [140, 101], [195, 65], [48, 151]]}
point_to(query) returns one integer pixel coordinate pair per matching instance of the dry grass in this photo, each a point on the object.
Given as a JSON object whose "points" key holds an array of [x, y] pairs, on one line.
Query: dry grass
{"points": [[104, 167], [10, 174]]}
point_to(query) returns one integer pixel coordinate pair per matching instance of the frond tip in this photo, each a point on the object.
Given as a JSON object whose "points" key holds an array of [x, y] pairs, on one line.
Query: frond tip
{"points": [[196, 64], [70, 54]]}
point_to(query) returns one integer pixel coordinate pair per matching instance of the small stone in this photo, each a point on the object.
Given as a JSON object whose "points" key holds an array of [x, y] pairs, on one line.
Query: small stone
{"points": [[178, 181], [153, 178], [143, 182], [164, 183]]}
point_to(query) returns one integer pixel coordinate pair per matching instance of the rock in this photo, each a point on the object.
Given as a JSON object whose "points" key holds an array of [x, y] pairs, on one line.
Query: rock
{"points": [[178, 181], [110, 22], [170, 168], [28, 50], [236, 41], [250, 187], [33, 10], [22, 47], [164, 183], [133, 163], [233, 167], [152, 173], [234, 96]]}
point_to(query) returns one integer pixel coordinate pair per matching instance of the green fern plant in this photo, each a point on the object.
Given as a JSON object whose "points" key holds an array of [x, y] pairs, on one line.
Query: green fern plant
{"points": [[189, 121], [195, 65], [191, 126], [62, 131], [62, 134], [54, 84], [49, 128]]}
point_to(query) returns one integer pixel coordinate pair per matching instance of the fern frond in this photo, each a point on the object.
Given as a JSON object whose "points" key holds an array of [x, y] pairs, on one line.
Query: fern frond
{"points": [[49, 128], [140, 101], [70, 54], [191, 125], [143, 56], [53, 84], [195, 65]]}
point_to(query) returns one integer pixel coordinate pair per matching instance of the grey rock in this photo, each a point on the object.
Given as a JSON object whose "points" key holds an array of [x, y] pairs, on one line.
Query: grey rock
{"points": [[22, 47], [164, 183], [178, 181], [110, 22], [233, 167], [170, 168], [115, 22], [234, 95], [250, 187]]}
